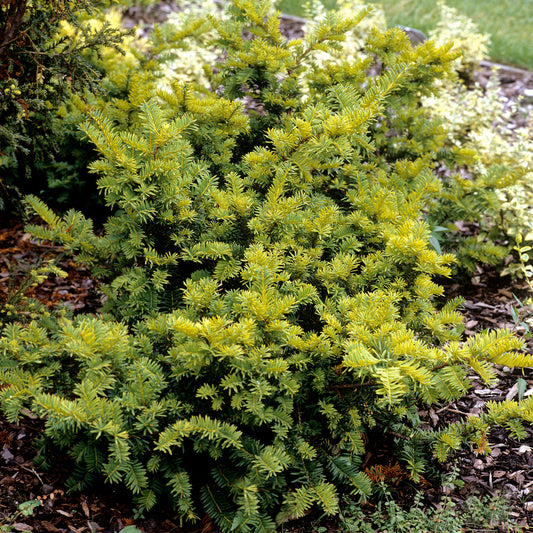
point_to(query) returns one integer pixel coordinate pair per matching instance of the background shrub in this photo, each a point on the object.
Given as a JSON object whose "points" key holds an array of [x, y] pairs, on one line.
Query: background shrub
{"points": [[40, 65]]}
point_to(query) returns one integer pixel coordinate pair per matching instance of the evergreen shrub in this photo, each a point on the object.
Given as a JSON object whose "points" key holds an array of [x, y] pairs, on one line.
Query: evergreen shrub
{"points": [[487, 190], [271, 306], [103, 62], [39, 66]]}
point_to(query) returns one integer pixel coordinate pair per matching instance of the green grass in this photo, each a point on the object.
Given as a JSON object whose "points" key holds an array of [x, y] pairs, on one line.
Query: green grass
{"points": [[508, 22], [296, 7]]}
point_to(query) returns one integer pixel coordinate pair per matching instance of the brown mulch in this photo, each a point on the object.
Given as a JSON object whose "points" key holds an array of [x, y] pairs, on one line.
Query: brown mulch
{"points": [[489, 300], [19, 253]]}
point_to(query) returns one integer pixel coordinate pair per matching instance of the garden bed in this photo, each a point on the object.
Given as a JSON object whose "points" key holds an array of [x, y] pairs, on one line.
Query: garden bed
{"points": [[489, 300]]}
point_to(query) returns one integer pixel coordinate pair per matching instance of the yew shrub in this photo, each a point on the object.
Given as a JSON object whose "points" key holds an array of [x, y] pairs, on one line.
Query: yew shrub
{"points": [[271, 306]]}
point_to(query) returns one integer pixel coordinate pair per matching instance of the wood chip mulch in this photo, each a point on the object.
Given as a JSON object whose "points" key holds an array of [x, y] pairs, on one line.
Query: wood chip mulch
{"points": [[19, 253]]}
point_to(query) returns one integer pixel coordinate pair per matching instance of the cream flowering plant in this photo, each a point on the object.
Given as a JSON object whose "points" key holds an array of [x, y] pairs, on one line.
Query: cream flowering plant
{"points": [[185, 62], [495, 188]]}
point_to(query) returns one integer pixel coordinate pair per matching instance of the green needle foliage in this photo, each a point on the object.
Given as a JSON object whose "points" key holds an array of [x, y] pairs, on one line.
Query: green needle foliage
{"points": [[39, 66], [269, 280]]}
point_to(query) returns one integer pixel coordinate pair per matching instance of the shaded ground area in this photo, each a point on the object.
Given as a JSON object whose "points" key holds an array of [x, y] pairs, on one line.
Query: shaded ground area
{"points": [[19, 254]]}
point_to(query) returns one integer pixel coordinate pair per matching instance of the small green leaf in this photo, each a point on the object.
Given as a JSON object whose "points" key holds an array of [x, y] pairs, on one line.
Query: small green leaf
{"points": [[130, 529], [435, 243], [521, 383], [27, 508]]}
